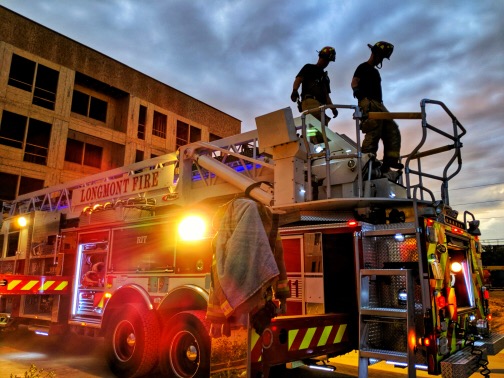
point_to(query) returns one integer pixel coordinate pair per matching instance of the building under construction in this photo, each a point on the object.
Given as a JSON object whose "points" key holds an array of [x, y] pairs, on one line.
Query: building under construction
{"points": [[68, 111]]}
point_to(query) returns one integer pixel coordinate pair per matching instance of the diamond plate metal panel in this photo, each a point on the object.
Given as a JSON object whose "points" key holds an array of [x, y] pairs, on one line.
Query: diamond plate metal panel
{"points": [[382, 250], [461, 365]]}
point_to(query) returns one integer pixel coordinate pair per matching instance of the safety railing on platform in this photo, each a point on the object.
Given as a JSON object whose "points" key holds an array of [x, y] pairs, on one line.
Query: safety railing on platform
{"points": [[457, 133], [417, 154], [326, 153]]}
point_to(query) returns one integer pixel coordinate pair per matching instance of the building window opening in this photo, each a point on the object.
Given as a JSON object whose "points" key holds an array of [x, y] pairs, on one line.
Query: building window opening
{"points": [[139, 156], [187, 134], [28, 185], [12, 129], [12, 243], [97, 109], [83, 153], [142, 121], [37, 142], [22, 74], [182, 134], [8, 189], [89, 106], [159, 125], [46, 85], [13, 185], [214, 137], [35, 139], [195, 134]]}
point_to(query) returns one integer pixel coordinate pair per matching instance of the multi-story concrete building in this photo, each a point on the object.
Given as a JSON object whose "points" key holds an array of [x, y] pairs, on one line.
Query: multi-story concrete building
{"points": [[67, 111]]}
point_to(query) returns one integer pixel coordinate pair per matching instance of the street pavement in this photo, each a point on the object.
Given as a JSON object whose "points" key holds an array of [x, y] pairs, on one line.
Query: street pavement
{"points": [[81, 357]]}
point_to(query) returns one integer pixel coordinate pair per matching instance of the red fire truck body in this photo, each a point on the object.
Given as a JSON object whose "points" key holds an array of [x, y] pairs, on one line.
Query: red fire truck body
{"points": [[371, 264]]}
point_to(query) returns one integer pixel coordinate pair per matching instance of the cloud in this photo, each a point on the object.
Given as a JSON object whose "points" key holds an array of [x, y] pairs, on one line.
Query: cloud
{"points": [[241, 57]]}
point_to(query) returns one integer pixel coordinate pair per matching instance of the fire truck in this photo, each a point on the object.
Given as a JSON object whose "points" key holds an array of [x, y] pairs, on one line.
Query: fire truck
{"points": [[374, 264]]}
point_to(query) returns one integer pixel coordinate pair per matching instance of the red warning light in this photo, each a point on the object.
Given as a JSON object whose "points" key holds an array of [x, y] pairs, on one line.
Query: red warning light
{"points": [[352, 223]]}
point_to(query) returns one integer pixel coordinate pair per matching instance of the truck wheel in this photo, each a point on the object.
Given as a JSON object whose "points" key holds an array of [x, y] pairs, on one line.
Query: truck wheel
{"points": [[185, 346], [131, 341]]}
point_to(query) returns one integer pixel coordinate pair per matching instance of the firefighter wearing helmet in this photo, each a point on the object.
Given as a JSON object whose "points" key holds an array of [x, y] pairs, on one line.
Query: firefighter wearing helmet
{"points": [[315, 84], [366, 86]]}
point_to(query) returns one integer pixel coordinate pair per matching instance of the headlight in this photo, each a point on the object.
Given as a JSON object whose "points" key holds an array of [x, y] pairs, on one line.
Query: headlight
{"points": [[192, 228]]}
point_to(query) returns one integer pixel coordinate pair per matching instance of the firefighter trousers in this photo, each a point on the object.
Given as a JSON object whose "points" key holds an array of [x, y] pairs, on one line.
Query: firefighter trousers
{"points": [[374, 130], [311, 103]]}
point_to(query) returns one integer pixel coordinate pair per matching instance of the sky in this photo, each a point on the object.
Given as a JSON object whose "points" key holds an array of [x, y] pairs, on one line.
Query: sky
{"points": [[241, 57]]}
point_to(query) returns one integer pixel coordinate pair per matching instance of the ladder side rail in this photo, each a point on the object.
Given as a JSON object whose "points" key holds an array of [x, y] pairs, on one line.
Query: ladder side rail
{"points": [[46, 202], [363, 326], [410, 323], [193, 154], [226, 152], [364, 355], [46, 193], [220, 156], [423, 269]]}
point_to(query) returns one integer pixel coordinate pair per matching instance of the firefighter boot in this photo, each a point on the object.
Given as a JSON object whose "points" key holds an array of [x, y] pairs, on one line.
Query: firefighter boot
{"points": [[389, 162]]}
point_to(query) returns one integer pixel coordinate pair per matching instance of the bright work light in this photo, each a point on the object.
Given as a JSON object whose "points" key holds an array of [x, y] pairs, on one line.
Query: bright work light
{"points": [[455, 267], [192, 228], [22, 222]]}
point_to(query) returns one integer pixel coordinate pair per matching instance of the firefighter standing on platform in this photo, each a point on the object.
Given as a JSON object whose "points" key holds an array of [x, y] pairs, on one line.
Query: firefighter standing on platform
{"points": [[366, 86], [315, 84]]}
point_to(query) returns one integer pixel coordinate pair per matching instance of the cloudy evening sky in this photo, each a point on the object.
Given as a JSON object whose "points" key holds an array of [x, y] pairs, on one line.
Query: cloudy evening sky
{"points": [[241, 57]]}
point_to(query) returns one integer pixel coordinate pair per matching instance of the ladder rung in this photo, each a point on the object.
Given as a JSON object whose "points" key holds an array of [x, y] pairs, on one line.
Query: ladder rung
{"points": [[382, 354], [397, 115], [383, 272], [385, 312]]}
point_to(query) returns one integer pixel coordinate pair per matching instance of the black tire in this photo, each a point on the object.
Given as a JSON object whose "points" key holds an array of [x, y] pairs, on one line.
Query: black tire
{"points": [[131, 341], [185, 346]]}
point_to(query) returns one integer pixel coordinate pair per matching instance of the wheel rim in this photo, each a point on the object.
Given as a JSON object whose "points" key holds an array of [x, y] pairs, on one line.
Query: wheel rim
{"points": [[185, 354], [124, 340]]}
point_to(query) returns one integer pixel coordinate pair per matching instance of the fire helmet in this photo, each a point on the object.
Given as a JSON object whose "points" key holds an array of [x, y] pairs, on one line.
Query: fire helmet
{"points": [[328, 53], [382, 48]]}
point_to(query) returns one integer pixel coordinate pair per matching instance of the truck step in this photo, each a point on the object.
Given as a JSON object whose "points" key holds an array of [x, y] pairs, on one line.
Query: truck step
{"points": [[381, 354], [386, 312], [462, 364], [39, 329], [493, 344]]}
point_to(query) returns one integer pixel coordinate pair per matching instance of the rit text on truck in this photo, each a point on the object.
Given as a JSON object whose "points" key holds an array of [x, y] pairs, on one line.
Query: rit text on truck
{"points": [[270, 249]]}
